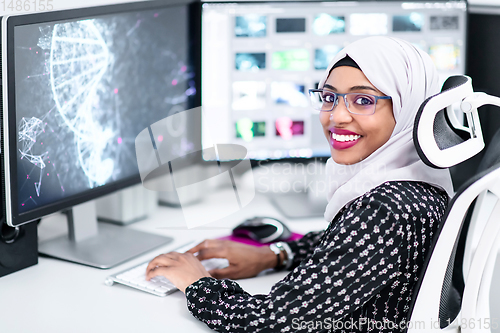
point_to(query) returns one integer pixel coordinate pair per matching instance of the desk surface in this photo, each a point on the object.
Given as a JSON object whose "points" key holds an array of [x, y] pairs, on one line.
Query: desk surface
{"points": [[56, 296]]}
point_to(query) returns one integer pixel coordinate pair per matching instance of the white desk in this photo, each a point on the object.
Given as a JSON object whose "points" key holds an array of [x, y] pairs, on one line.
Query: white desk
{"points": [[56, 296]]}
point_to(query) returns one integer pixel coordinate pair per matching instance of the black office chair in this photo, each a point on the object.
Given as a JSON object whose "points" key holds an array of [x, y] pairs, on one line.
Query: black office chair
{"points": [[453, 288]]}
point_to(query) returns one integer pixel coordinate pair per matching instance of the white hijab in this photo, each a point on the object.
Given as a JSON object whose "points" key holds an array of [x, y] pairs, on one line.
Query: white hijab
{"points": [[400, 70]]}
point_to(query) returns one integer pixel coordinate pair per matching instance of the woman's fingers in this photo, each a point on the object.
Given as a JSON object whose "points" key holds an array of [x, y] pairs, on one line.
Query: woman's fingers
{"points": [[196, 248], [162, 260], [157, 272], [212, 252], [205, 244], [220, 273]]}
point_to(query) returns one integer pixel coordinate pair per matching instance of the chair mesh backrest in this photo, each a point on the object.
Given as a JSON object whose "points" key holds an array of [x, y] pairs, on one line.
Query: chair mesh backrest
{"points": [[453, 284], [492, 154]]}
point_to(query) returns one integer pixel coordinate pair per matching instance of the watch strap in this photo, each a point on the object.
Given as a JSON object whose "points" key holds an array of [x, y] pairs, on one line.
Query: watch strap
{"points": [[276, 251], [284, 247]]}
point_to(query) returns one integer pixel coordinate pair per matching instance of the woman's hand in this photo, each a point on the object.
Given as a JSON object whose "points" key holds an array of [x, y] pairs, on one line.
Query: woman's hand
{"points": [[182, 269], [244, 260]]}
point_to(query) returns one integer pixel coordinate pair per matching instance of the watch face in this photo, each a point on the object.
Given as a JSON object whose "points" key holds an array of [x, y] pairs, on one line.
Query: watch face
{"points": [[275, 249]]}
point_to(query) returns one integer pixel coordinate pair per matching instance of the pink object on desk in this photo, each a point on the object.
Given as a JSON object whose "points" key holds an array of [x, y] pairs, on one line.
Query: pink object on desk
{"points": [[249, 241]]}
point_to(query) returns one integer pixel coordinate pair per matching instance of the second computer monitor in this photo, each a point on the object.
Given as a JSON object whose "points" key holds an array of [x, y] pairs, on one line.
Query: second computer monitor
{"points": [[260, 59]]}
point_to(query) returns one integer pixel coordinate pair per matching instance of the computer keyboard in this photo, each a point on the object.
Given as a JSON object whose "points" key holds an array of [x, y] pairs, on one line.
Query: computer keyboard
{"points": [[135, 277]]}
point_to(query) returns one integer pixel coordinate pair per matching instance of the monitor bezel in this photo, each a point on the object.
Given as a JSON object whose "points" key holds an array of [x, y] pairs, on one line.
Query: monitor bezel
{"points": [[9, 121]]}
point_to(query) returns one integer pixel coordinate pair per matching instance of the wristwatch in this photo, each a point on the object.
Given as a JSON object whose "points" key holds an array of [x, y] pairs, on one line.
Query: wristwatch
{"points": [[279, 247], [276, 251]]}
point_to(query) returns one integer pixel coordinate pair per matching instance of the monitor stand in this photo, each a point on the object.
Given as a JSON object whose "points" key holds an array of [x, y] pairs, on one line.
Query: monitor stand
{"points": [[298, 205], [305, 185], [96, 244]]}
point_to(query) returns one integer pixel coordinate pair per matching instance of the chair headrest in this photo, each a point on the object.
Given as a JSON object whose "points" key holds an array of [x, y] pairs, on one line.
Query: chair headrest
{"points": [[440, 138]]}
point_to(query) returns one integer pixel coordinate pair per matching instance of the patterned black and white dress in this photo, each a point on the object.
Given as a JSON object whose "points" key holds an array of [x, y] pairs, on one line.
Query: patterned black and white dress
{"points": [[356, 276]]}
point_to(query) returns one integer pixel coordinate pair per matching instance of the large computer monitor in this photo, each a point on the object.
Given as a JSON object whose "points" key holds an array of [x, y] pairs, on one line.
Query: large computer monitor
{"points": [[260, 58], [78, 86]]}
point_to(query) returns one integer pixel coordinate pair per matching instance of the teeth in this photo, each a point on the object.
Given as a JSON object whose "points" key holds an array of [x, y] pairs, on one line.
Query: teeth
{"points": [[344, 138]]}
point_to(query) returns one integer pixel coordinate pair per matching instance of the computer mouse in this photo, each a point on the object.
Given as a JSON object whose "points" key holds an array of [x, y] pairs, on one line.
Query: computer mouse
{"points": [[263, 229]]}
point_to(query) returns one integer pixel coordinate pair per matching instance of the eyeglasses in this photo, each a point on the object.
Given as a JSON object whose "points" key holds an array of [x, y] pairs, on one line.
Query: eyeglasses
{"points": [[356, 103]]}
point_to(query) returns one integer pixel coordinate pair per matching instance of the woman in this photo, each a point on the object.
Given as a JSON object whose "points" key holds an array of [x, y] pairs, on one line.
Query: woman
{"points": [[385, 205]]}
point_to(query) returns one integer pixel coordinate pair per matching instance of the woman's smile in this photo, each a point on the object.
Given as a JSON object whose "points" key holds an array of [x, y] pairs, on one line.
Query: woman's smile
{"points": [[342, 138]]}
